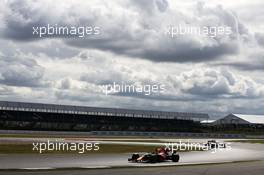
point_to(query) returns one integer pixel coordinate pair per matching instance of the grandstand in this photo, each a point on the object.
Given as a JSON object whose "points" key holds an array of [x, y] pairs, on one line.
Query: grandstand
{"points": [[36, 116]]}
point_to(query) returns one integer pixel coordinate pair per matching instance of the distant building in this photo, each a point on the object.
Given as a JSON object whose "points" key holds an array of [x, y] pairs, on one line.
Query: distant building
{"points": [[241, 119], [208, 122]]}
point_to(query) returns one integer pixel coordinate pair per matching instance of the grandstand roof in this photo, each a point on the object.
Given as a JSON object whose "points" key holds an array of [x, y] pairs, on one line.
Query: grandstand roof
{"points": [[254, 119], [83, 110]]}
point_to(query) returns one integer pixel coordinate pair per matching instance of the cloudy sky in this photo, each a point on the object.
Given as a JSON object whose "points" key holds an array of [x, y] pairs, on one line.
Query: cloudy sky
{"points": [[215, 75]]}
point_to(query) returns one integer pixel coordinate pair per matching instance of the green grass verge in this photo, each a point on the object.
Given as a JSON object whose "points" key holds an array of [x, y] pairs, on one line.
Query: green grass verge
{"points": [[249, 141], [104, 149]]}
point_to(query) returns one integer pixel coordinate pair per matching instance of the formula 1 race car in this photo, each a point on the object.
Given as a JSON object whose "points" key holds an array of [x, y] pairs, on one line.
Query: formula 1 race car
{"points": [[160, 155], [212, 144]]}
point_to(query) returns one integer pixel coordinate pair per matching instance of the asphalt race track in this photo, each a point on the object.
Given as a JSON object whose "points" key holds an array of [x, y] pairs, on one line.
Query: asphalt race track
{"points": [[242, 168], [239, 152]]}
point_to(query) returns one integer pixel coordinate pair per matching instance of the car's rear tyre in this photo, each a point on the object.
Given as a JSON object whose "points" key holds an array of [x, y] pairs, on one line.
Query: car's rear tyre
{"points": [[175, 158], [153, 159]]}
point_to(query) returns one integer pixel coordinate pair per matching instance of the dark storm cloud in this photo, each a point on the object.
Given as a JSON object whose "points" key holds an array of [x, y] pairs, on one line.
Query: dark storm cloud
{"points": [[245, 66], [25, 17], [20, 72], [151, 43], [119, 34], [184, 54], [254, 62], [19, 21], [19, 32], [164, 51]]}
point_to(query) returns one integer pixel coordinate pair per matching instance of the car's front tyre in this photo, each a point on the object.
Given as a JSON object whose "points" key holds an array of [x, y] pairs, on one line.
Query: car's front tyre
{"points": [[175, 158]]}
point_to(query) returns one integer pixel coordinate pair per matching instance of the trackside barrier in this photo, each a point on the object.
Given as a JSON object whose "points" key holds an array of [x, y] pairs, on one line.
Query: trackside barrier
{"points": [[166, 134], [128, 133]]}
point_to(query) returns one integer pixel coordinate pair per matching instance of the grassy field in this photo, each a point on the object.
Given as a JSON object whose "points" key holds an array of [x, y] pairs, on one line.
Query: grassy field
{"points": [[261, 141], [104, 149], [144, 138], [14, 146], [27, 149]]}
